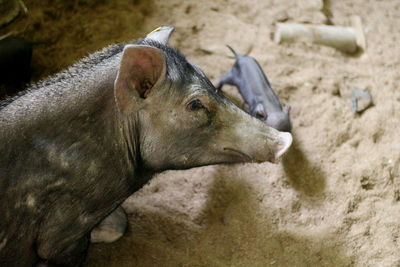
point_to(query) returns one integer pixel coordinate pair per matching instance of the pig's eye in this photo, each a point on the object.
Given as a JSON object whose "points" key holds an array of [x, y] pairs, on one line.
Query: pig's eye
{"points": [[195, 105]]}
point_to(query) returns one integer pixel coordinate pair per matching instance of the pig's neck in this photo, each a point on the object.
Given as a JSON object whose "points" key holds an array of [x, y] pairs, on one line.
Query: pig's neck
{"points": [[127, 130], [119, 135], [103, 152], [104, 148]]}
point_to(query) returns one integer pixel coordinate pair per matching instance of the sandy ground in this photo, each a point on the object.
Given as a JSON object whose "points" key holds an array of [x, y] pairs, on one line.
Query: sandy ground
{"points": [[335, 198]]}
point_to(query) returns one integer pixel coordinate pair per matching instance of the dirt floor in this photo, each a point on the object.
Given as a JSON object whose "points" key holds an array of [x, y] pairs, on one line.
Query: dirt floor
{"points": [[334, 200]]}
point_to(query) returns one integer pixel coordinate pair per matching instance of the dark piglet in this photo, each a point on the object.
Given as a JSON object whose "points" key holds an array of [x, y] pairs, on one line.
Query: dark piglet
{"points": [[248, 76], [15, 64], [75, 146]]}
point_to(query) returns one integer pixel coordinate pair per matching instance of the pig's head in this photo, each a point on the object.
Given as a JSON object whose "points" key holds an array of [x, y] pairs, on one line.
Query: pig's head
{"points": [[180, 120]]}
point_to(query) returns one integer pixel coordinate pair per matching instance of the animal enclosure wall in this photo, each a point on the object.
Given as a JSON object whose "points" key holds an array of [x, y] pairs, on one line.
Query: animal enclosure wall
{"points": [[334, 200]]}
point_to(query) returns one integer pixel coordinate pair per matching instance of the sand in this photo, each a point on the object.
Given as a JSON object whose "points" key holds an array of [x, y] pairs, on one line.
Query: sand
{"points": [[334, 200]]}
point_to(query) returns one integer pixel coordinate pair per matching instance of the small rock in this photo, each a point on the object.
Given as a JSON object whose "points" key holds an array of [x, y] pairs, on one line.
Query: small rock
{"points": [[366, 183], [360, 100], [282, 16]]}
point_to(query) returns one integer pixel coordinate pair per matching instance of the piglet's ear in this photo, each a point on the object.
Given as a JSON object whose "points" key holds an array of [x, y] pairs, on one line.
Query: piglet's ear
{"points": [[142, 69]]}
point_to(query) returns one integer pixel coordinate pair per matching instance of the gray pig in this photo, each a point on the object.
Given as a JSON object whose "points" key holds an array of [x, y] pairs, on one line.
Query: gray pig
{"points": [[75, 146], [248, 76]]}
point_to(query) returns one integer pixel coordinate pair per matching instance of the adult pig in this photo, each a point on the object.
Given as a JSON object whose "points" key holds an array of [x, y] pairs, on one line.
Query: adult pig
{"points": [[75, 146]]}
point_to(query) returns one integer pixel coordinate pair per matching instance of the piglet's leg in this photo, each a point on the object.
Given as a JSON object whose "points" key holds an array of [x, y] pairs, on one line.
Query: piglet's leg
{"points": [[227, 78]]}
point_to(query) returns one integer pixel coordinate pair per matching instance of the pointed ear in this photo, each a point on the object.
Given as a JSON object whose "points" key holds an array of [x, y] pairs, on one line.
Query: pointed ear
{"points": [[142, 68], [161, 34]]}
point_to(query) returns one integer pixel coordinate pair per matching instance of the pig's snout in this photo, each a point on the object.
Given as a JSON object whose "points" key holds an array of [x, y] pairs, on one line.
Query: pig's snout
{"points": [[284, 142], [254, 139]]}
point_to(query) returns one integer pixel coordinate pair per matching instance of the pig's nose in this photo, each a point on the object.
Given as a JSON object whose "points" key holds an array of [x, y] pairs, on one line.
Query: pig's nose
{"points": [[285, 140]]}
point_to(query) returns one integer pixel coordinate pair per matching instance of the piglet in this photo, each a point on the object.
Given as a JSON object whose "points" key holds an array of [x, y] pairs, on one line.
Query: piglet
{"points": [[248, 76]]}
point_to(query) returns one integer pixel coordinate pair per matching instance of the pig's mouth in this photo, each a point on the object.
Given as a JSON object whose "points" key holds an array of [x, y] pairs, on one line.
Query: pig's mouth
{"points": [[243, 156]]}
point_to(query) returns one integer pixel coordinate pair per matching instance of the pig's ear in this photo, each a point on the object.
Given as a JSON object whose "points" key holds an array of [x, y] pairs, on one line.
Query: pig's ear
{"points": [[161, 34], [142, 69]]}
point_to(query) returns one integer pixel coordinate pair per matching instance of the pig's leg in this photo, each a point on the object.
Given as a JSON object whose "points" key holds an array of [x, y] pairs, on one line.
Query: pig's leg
{"points": [[72, 256], [111, 228], [227, 78]]}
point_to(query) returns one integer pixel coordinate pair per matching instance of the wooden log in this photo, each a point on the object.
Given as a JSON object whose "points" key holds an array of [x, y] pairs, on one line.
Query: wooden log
{"points": [[345, 39]]}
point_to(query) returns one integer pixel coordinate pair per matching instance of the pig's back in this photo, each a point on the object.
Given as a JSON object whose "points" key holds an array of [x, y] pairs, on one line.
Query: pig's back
{"points": [[70, 91]]}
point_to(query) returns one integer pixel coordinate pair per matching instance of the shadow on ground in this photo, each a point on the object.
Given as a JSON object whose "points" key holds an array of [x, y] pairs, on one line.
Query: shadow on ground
{"points": [[230, 231], [305, 176]]}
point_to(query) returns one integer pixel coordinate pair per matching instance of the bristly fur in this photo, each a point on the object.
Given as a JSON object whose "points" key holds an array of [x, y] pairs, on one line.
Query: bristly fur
{"points": [[176, 62], [73, 72]]}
